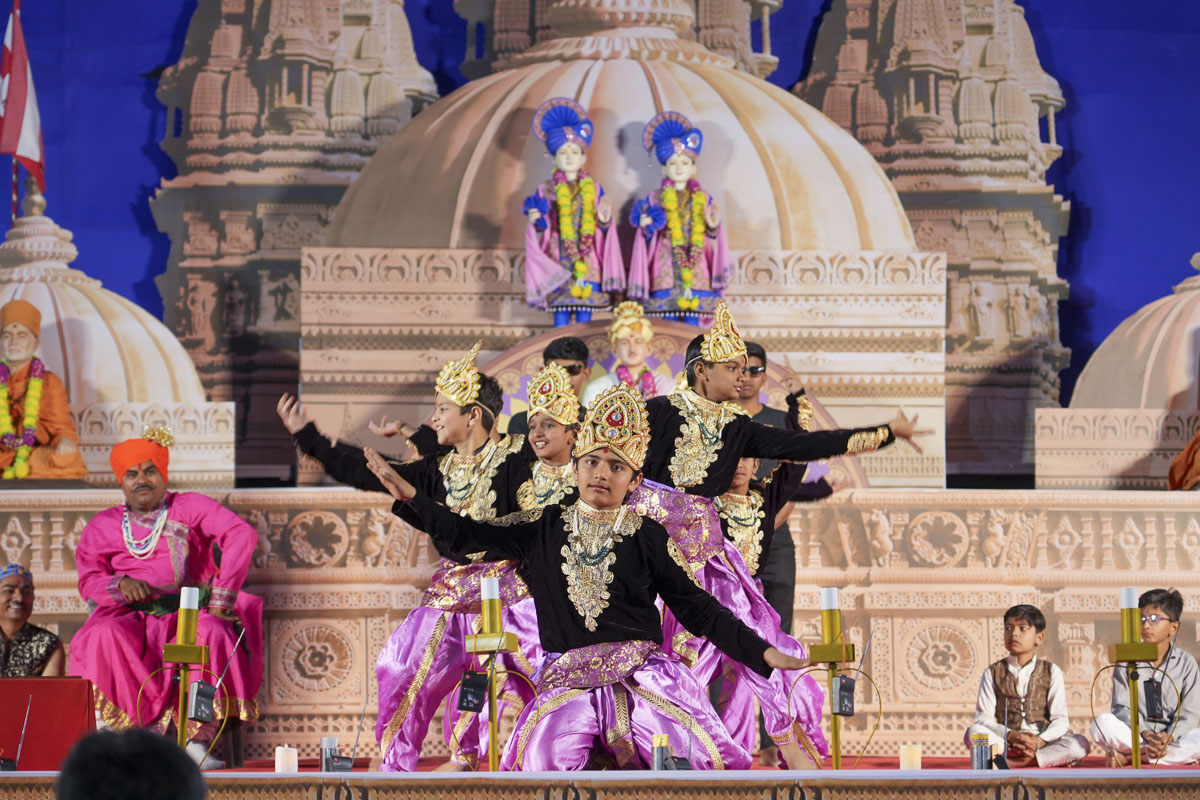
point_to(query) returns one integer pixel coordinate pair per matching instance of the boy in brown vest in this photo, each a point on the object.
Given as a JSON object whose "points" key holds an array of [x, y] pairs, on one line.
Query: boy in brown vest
{"points": [[1032, 692]]}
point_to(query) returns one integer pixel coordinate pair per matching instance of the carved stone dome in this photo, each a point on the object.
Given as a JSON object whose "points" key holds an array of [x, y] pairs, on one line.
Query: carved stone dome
{"points": [[1152, 359], [105, 348], [786, 176]]}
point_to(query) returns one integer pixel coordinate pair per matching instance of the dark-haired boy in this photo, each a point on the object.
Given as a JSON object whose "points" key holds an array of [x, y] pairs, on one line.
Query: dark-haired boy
{"points": [[1171, 737], [1023, 699], [570, 353]]}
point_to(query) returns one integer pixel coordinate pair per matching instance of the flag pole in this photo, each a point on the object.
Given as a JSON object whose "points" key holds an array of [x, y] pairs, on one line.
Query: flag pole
{"points": [[15, 189]]}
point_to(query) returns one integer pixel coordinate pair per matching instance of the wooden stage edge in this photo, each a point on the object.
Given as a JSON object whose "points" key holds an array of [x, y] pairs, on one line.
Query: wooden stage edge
{"points": [[1064, 784]]}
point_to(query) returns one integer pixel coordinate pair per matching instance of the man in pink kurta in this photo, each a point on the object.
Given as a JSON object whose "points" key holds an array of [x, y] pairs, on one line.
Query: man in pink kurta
{"points": [[132, 561]]}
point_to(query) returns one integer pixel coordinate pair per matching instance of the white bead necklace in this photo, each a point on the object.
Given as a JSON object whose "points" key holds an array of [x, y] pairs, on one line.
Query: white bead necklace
{"points": [[142, 548]]}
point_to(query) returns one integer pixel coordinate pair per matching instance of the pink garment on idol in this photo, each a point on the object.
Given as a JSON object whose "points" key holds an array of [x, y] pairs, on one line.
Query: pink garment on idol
{"points": [[545, 275], [567, 726], [652, 267], [423, 662], [118, 648], [693, 524]]}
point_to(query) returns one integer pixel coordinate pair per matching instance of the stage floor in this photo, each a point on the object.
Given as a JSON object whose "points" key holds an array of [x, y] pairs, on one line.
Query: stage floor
{"points": [[1084, 783]]}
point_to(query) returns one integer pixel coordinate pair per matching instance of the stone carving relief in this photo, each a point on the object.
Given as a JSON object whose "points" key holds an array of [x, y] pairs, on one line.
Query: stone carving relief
{"points": [[949, 104], [281, 110]]}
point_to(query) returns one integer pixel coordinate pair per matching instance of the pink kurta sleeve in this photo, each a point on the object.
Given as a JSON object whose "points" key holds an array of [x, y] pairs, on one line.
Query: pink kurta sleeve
{"points": [[639, 268], [237, 540], [721, 263], [98, 581], [543, 274]]}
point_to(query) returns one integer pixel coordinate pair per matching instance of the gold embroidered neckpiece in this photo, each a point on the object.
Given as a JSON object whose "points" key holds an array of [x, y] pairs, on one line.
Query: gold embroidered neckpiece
{"points": [[743, 515], [592, 536], [547, 486], [699, 439]]}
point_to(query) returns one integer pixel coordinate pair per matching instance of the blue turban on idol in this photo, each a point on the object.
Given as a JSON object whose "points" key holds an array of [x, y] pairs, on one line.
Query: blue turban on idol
{"points": [[562, 120], [669, 133]]}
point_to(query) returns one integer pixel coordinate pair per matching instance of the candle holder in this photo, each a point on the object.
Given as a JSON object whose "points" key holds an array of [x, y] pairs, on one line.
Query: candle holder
{"points": [[832, 651], [1129, 651]]}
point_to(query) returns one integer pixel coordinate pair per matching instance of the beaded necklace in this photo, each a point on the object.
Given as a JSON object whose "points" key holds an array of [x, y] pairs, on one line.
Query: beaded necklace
{"points": [[143, 548], [23, 445]]}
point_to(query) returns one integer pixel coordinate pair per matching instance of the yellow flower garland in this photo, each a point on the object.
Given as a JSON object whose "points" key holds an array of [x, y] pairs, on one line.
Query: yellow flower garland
{"points": [[33, 405], [687, 261], [568, 234]]}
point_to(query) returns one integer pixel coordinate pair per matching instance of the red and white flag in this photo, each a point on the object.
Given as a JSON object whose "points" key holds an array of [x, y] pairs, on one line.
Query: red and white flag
{"points": [[20, 124]]}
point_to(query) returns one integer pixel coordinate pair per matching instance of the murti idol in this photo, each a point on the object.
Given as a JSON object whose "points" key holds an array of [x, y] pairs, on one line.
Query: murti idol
{"points": [[630, 335], [572, 258], [681, 262], [37, 435]]}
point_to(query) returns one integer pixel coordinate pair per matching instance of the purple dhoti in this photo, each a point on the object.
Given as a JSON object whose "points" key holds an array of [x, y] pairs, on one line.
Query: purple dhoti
{"points": [[602, 705], [425, 657], [791, 704]]}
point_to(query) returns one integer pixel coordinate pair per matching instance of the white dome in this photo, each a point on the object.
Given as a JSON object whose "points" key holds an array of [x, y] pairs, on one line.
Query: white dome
{"points": [[106, 349], [1152, 359], [787, 177]]}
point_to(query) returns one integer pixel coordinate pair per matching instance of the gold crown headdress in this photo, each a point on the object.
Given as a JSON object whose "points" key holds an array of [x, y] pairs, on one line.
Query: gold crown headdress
{"points": [[722, 342], [551, 393], [616, 420], [629, 317], [459, 380]]}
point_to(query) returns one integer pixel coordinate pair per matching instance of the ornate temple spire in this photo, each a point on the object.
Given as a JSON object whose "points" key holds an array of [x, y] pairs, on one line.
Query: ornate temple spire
{"points": [[35, 241]]}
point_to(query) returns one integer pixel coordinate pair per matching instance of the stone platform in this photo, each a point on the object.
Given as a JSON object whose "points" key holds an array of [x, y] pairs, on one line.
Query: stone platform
{"points": [[928, 572], [750, 785]]}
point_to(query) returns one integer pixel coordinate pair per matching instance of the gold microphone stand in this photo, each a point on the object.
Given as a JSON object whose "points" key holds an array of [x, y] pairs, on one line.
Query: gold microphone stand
{"points": [[185, 653], [490, 642], [832, 651], [1129, 651]]}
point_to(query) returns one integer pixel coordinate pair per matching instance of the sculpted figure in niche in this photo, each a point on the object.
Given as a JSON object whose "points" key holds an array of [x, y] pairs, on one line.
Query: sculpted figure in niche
{"points": [[572, 259], [630, 335], [681, 261], [37, 435], [982, 315]]}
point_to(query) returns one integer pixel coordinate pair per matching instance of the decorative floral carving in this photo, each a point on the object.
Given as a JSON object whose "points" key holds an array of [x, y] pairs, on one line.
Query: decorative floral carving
{"points": [[317, 658], [937, 539], [942, 658], [317, 538]]}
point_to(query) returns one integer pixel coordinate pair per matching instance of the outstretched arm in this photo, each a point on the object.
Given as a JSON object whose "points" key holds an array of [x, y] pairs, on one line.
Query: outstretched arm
{"points": [[455, 535], [703, 615]]}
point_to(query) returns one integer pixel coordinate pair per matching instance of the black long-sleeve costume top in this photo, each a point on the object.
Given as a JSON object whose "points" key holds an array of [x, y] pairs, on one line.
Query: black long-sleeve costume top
{"points": [[749, 520], [569, 571], [695, 443]]}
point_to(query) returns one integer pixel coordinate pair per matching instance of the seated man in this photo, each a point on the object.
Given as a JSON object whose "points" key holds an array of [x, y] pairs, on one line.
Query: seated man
{"points": [[37, 436], [132, 561], [1023, 699], [1170, 737], [25, 650]]}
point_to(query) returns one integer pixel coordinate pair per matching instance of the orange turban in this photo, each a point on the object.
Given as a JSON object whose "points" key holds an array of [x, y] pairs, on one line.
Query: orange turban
{"points": [[22, 312], [151, 446]]}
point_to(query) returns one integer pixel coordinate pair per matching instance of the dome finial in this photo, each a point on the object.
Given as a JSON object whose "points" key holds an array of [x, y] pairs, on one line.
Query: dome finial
{"points": [[34, 203]]}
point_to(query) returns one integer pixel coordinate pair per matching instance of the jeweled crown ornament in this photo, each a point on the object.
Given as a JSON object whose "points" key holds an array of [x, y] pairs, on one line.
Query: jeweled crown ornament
{"points": [[161, 435], [551, 394], [722, 342], [459, 380], [616, 420]]}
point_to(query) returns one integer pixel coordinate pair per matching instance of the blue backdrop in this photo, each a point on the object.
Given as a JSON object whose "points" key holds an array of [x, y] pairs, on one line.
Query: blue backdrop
{"points": [[1129, 72]]}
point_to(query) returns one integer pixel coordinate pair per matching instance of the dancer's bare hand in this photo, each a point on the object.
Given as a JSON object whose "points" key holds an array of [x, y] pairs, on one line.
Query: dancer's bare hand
{"points": [[391, 480], [777, 659], [906, 429], [386, 429], [293, 415]]}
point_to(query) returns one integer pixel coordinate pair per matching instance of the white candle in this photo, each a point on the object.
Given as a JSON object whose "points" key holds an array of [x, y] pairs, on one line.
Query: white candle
{"points": [[189, 597], [829, 599], [489, 588], [910, 756], [1129, 597], [287, 759]]}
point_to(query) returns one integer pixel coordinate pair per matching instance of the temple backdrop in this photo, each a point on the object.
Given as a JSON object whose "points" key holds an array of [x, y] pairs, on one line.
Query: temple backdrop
{"points": [[1127, 70]]}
